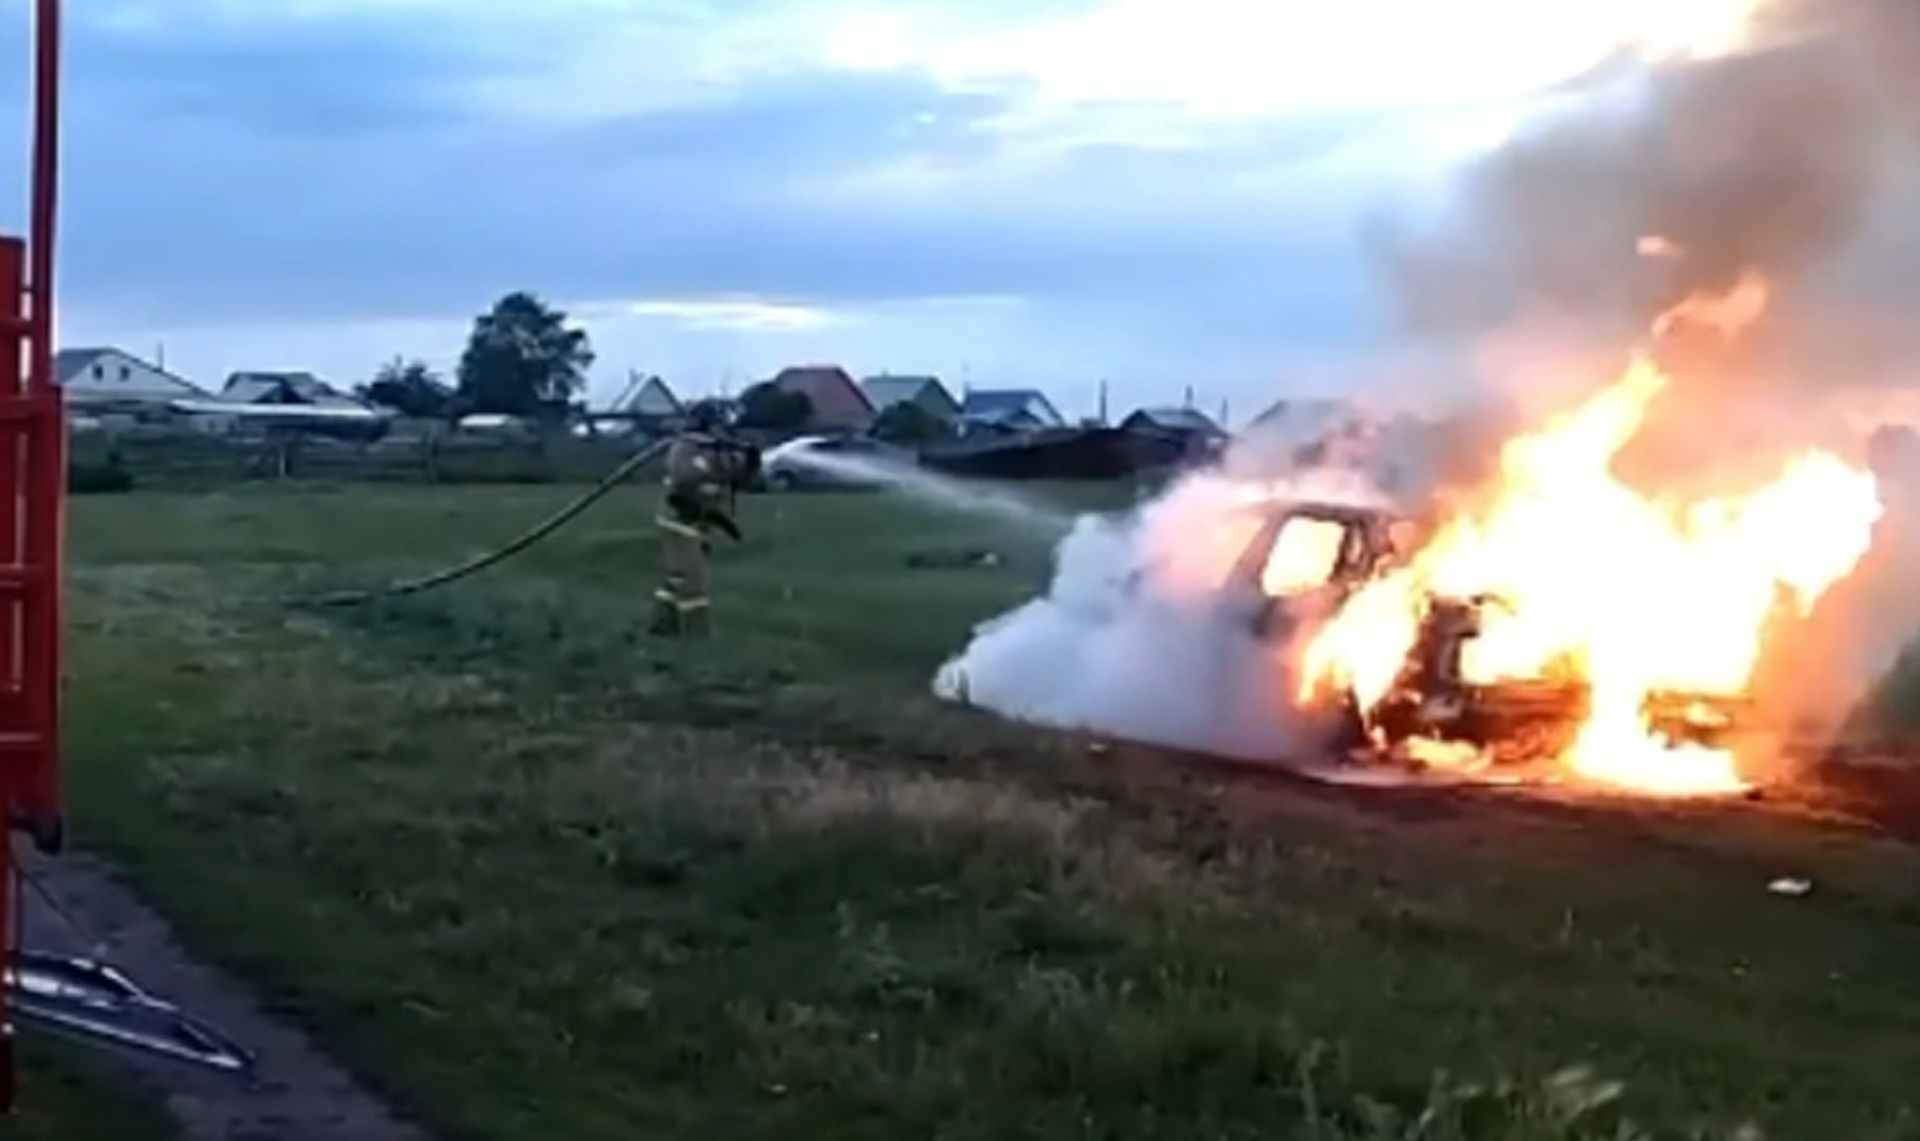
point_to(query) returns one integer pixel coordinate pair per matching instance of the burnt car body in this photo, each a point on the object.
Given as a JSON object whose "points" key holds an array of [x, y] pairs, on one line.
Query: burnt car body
{"points": [[1305, 560]]}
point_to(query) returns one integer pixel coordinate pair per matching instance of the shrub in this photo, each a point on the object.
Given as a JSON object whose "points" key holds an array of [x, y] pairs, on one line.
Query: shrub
{"points": [[99, 478]]}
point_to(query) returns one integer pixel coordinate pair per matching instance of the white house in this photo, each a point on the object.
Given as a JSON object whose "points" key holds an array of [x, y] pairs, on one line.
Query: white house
{"points": [[648, 397], [107, 377]]}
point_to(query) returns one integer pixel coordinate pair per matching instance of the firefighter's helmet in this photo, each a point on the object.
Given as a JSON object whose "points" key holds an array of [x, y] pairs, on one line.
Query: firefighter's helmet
{"points": [[707, 416]]}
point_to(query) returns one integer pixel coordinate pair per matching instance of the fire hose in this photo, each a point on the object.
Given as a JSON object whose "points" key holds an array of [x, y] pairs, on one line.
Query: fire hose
{"points": [[406, 586], [92, 1002]]}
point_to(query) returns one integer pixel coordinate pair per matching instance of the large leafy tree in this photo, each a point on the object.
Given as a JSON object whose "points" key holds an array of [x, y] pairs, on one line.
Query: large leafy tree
{"points": [[523, 359], [411, 389], [910, 425], [768, 407]]}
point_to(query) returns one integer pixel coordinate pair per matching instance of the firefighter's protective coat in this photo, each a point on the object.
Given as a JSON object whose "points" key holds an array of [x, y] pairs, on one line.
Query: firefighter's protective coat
{"points": [[694, 501]]}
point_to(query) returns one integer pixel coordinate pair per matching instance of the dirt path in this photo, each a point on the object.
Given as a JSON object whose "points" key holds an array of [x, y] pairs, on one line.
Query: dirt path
{"points": [[297, 1094]]}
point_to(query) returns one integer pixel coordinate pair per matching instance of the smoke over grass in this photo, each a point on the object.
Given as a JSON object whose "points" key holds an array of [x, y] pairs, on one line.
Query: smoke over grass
{"points": [[1142, 633], [1133, 639]]}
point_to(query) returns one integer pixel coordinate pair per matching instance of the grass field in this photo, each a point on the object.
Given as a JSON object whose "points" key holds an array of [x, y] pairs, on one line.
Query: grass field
{"points": [[539, 876]]}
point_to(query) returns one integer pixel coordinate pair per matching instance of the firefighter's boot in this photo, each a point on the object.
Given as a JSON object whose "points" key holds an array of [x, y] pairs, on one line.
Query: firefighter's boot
{"points": [[666, 621]]}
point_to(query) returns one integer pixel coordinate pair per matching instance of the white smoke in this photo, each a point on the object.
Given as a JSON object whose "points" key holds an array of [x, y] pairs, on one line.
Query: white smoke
{"points": [[1140, 636]]}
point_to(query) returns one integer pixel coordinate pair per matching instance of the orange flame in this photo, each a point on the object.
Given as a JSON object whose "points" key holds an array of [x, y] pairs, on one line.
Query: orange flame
{"points": [[1636, 595]]}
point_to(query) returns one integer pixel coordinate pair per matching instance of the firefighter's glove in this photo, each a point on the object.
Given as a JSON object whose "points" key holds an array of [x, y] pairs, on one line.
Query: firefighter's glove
{"points": [[691, 509]]}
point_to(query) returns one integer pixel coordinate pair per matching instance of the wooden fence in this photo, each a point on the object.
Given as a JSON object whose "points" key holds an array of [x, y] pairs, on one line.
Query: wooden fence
{"points": [[178, 460]]}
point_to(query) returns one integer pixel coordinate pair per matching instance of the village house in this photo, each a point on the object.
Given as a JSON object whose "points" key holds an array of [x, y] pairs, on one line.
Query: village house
{"points": [[647, 405], [886, 390], [107, 377], [1193, 432], [1178, 421], [1009, 410], [649, 399], [839, 403], [286, 388]]}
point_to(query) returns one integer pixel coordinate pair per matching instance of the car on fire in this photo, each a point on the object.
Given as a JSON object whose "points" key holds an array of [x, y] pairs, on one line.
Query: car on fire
{"points": [[1306, 560]]}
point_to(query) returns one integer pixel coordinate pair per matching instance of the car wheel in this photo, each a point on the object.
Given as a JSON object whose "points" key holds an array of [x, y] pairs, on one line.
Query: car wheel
{"points": [[783, 481]]}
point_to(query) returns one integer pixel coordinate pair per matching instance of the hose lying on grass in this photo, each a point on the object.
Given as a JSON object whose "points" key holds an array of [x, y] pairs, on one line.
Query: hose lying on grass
{"points": [[480, 562]]}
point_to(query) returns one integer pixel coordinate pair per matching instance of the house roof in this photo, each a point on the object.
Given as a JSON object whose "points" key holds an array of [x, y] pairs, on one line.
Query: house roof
{"points": [[990, 400], [67, 363], [1314, 411], [1175, 419], [306, 388], [829, 388], [1003, 403], [70, 363], [886, 390], [651, 397]]}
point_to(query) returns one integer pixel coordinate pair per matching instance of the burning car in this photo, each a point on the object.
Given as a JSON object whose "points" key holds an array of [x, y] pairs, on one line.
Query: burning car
{"points": [[1559, 611], [1307, 561], [1561, 605]]}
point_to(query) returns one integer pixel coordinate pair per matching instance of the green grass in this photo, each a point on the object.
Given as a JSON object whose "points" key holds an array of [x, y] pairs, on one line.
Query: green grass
{"points": [[1895, 703], [541, 876]]}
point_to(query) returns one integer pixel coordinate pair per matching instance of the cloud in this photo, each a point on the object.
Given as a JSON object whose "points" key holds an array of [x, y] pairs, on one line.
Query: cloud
{"points": [[740, 314], [753, 171], [378, 74]]}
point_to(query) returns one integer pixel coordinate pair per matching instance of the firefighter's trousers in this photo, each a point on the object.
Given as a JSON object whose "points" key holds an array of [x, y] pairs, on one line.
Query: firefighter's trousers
{"points": [[682, 603]]}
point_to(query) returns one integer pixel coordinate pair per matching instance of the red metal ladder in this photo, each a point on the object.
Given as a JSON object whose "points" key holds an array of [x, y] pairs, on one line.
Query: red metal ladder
{"points": [[32, 486], [82, 999], [33, 475], [33, 466]]}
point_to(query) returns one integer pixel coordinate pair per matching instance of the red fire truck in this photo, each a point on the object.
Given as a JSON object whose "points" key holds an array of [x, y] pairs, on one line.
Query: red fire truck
{"points": [[75, 997]]}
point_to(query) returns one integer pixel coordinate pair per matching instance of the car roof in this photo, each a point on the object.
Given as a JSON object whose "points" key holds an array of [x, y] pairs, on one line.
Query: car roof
{"points": [[785, 447]]}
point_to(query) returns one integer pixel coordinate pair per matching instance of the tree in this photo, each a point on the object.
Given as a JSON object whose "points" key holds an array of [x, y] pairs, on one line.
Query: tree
{"points": [[411, 389], [523, 359], [768, 407], [910, 425]]}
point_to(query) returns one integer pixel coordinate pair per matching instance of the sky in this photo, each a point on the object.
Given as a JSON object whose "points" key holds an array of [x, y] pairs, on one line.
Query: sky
{"points": [[1158, 194]]}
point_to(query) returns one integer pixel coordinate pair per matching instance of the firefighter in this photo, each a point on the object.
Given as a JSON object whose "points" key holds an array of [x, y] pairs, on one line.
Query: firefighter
{"points": [[696, 501]]}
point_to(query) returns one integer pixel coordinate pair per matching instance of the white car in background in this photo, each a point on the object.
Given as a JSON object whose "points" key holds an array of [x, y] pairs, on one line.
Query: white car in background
{"points": [[787, 466]]}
